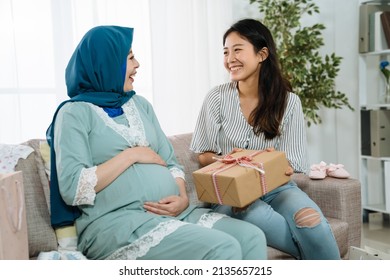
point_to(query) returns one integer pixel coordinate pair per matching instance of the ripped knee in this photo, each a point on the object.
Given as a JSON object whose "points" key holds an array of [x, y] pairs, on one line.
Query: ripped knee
{"points": [[307, 217]]}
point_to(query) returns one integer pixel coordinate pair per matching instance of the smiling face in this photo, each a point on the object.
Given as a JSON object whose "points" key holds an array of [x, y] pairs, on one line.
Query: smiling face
{"points": [[240, 58], [131, 69]]}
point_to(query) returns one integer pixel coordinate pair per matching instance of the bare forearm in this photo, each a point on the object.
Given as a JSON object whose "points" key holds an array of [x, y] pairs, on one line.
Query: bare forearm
{"points": [[108, 171], [206, 158]]}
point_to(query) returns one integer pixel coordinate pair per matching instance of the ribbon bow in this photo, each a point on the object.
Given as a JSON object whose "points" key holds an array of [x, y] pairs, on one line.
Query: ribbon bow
{"points": [[244, 161]]}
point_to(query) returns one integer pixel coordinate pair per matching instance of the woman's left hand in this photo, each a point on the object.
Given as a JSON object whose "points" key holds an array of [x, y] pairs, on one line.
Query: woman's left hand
{"points": [[289, 171], [170, 206]]}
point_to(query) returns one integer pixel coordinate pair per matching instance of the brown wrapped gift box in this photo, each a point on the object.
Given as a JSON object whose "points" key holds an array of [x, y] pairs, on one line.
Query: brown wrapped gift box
{"points": [[238, 185]]}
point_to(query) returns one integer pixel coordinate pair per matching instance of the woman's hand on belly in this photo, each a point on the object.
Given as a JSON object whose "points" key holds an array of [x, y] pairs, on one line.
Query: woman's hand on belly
{"points": [[146, 155], [172, 205]]}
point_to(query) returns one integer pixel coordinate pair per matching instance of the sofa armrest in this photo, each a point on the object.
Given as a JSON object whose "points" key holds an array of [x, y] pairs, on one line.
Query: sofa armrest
{"points": [[337, 198]]}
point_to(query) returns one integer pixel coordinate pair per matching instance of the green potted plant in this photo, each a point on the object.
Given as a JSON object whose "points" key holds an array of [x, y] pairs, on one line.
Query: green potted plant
{"points": [[312, 76]]}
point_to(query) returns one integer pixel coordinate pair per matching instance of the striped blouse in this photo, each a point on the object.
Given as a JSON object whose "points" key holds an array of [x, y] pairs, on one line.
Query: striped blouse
{"points": [[221, 126]]}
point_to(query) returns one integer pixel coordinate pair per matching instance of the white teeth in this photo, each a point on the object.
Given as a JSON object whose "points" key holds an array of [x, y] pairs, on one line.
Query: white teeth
{"points": [[235, 68]]}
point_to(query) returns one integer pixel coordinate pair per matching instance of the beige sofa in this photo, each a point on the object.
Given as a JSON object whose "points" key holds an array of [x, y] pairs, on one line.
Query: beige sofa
{"points": [[339, 199]]}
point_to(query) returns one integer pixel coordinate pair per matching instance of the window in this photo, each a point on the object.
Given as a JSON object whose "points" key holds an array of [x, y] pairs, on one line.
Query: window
{"points": [[38, 38]]}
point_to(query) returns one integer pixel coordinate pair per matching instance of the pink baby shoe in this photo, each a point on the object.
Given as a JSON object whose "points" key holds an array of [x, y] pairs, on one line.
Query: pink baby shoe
{"points": [[337, 171], [318, 171]]}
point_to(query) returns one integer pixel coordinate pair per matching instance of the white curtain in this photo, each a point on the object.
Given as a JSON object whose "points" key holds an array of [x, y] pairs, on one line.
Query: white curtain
{"points": [[187, 57], [27, 72], [177, 42]]}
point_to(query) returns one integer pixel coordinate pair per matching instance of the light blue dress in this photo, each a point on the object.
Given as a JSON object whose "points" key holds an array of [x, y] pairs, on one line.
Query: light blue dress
{"points": [[113, 223]]}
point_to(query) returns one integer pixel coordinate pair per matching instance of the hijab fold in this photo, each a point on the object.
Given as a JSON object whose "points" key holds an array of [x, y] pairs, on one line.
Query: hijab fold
{"points": [[94, 74]]}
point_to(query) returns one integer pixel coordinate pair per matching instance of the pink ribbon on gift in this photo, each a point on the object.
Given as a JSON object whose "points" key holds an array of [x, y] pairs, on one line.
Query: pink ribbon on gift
{"points": [[244, 161]]}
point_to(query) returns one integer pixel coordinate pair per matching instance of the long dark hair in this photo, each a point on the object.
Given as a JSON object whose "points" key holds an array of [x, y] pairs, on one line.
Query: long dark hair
{"points": [[273, 87]]}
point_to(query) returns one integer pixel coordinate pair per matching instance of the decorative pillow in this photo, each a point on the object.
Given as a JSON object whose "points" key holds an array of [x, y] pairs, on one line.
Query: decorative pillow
{"points": [[10, 154], [67, 246], [41, 236], [44, 149], [66, 236]]}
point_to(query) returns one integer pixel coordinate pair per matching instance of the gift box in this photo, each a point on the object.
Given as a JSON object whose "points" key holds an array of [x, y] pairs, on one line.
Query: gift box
{"points": [[241, 178]]}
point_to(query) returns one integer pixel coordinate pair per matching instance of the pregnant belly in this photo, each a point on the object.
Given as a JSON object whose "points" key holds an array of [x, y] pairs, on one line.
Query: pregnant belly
{"points": [[155, 181]]}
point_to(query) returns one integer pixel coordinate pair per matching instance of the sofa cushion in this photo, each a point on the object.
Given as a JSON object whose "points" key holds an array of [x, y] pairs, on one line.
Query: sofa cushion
{"points": [[41, 236]]}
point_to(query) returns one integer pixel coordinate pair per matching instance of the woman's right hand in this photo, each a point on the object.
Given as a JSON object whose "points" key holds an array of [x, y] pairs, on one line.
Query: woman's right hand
{"points": [[146, 155]]}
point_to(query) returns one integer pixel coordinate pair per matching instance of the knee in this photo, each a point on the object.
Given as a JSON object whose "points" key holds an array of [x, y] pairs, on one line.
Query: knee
{"points": [[307, 217], [227, 248], [253, 233], [253, 242], [262, 238]]}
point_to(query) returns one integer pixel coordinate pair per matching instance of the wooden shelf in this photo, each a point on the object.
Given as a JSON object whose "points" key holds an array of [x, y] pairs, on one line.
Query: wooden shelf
{"points": [[374, 127]]}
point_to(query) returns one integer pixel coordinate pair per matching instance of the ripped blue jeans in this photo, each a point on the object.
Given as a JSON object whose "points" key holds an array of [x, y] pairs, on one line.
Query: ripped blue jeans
{"points": [[292, 223]]}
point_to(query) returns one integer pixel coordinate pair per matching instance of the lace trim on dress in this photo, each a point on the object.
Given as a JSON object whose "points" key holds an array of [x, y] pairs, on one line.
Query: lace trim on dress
{"points": [[142, 245], [177, 173], [209, 219], [85, 193], [134, 134], [137, 131]]}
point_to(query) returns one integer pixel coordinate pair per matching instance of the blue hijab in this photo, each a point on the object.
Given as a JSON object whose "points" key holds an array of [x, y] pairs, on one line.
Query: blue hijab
{"points": [[96, 74]]}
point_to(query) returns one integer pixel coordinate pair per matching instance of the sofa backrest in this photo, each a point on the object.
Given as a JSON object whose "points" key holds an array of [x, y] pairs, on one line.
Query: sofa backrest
{"points": [[181, 145]]}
